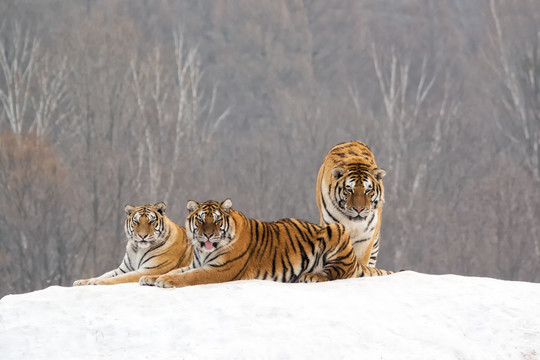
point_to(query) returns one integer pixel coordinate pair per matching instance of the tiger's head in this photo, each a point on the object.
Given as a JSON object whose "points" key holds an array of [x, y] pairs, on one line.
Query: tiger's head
{"points": [[356, 190], [144, 224], [209, 224]]}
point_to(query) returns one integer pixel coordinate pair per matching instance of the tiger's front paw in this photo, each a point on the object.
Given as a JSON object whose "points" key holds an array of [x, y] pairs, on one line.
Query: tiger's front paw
{"points": [[166, 281], [311, 278], [96, 281], [81, 282], [148, 280]]}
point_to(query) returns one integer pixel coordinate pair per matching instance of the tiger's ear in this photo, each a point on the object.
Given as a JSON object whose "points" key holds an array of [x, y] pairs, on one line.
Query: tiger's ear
{"points": [[160, 207], [338, 172], [379, 173], [129, 209], [192, 205], [226, 205]]}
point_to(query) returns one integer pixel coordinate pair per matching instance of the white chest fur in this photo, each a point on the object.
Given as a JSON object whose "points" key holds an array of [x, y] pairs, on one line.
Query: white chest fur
{"points": [[360, 230]]}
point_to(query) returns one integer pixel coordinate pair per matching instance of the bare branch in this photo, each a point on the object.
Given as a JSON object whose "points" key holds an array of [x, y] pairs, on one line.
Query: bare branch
{"points": [[18, 72]]}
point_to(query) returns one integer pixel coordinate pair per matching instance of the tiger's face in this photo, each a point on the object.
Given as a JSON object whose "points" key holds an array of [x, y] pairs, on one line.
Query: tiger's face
{"points": [[357, 191], [144, 224], [209, 225]]}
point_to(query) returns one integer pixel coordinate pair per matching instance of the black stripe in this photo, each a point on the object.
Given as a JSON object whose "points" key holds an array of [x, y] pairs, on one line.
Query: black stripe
{"points": [[361, 240], [284, 270], [370, 220], [157, 266], [303, 254], [326, 210], [152, 257], [157, 246], [129, 265], [306, 240]]}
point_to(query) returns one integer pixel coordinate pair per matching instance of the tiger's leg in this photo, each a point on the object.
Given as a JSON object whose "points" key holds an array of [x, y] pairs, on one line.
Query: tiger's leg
{"points": [[110, 274], [111, 278], [193, 277], [366, 271], [151, 279], [374, 252], [337, 255], [124, 268], [129, 277]]}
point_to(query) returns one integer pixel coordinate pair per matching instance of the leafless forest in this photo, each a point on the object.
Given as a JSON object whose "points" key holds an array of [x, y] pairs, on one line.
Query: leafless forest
{"points": [[104, 103]]}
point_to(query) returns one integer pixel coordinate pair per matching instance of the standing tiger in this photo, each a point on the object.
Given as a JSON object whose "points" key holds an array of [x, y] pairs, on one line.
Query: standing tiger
{"points": [[155, 245], [350, 192], [229, 246]]}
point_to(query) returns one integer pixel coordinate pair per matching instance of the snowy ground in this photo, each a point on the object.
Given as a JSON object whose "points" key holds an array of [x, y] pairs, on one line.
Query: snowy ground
{"points": [[403, 316]]}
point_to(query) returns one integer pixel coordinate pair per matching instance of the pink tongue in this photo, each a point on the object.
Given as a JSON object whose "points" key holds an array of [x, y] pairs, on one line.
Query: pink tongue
{"points": [[208, 245]]}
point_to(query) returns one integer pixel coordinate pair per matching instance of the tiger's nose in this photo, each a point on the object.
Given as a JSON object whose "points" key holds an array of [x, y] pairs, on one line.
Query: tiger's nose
{"points": [[208, 235], [359, 209], [143, 236]]}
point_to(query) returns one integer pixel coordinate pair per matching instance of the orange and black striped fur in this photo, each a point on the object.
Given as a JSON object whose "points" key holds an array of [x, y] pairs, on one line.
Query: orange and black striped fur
{"points": [[350, 192], [229, 246], [155, 246]]}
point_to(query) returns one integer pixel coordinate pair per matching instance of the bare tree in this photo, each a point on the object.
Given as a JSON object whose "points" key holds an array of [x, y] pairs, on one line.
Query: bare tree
{"points": [[17, 61], [34, 105], [518, 69], [516, 108], [98, 149], [178, 120], [37, 191], [50, 100], [417, 125]]}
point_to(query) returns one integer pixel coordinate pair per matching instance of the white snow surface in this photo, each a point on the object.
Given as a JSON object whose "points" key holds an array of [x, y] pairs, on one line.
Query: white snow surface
{"points": [[403, 316]]}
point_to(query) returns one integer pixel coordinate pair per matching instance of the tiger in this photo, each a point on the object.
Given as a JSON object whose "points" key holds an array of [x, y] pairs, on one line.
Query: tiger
{"points": [[155, 245], [350, 191], [229, 246]]}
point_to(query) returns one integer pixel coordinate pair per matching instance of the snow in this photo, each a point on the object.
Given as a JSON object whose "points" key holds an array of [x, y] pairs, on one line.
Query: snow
{"points": [[403, 316]]}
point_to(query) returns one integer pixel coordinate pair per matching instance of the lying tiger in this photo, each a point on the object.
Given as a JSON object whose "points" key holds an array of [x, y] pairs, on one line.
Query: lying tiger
{"points": [[350, 192], [228, 246], [155, 246]]}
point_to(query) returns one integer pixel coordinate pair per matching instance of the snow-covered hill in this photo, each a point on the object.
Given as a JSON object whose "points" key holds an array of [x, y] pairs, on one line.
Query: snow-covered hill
{"points": [[403, 316]]}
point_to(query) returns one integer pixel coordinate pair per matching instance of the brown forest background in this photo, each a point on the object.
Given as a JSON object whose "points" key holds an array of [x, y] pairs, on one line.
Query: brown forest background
{"points": [[104, 103]]}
